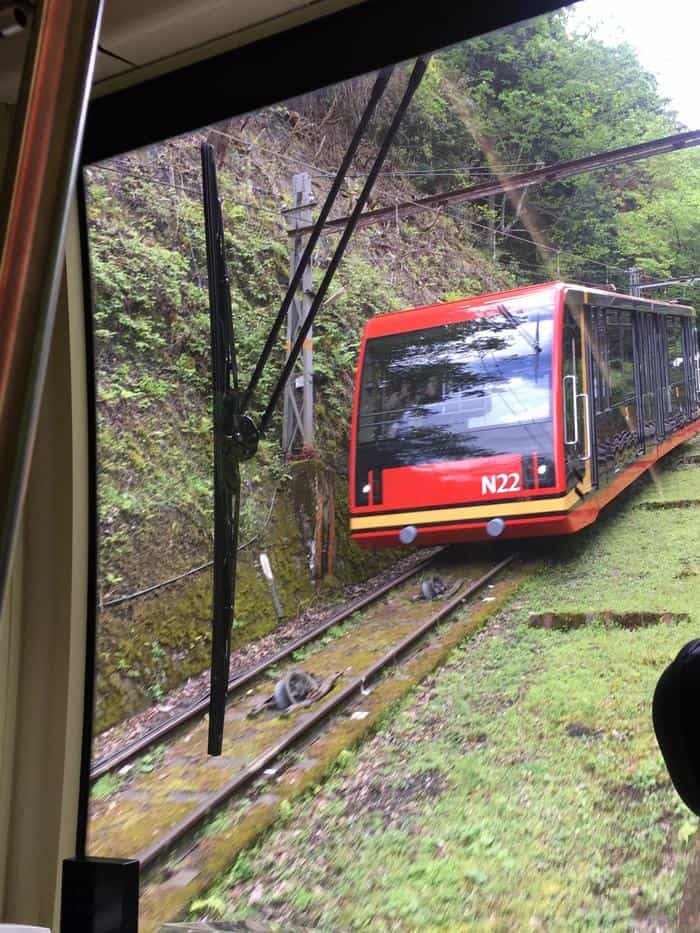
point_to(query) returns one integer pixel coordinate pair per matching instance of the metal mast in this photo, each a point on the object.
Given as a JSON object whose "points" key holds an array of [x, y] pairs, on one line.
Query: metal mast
{"points": [[298, 421]]}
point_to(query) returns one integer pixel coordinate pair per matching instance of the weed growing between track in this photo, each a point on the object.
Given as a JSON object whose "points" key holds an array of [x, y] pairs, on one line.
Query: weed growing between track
{"points": [[521, 786]]}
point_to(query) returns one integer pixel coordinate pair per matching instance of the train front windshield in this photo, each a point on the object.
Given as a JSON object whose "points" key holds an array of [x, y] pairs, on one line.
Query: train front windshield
{"points": [[476, 388]]}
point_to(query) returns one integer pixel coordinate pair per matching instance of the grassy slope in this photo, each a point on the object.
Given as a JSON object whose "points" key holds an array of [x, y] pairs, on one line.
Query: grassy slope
{"points": [[522, 787], [154, 406], [152, 326]]}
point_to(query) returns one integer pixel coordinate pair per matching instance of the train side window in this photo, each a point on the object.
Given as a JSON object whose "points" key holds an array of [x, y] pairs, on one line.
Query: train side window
{"points": [[598, 392], [674, 350], [603, 369], [627, 351], [615, 357], [569, 360], [620, 356]]}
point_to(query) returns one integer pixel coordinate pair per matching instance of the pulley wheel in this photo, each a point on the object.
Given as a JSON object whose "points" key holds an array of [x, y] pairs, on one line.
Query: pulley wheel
{"points": [[295, 686], [282, 700], [299, 685], [433, 588]]}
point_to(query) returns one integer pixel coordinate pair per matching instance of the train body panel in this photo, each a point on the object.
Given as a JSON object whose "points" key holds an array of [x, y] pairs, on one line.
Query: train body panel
{"points": [[519, 414]]}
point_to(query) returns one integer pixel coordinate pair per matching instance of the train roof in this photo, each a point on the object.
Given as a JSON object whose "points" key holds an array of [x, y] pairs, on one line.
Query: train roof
{"points": [[430, 314]]}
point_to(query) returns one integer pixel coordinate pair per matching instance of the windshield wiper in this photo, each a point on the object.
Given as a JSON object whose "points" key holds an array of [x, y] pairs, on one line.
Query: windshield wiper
{"points": [[514, 322]]}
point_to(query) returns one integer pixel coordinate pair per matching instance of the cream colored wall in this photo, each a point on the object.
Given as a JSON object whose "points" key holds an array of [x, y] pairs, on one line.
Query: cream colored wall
{"points": [[42, 633]]}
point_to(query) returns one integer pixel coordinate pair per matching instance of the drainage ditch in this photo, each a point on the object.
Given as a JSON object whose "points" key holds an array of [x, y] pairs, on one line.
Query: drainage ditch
{"points": [[566, 621]]}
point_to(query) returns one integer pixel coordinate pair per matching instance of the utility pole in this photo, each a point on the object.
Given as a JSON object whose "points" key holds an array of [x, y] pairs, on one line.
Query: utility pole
{"points": [[635, 281], [298, 422], [492, 226]]}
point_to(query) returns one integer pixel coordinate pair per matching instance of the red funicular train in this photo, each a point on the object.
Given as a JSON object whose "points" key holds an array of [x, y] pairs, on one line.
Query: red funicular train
{"points": [[514, 414]]}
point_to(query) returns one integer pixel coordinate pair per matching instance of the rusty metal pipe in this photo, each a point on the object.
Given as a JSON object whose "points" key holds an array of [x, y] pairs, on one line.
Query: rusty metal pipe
{"points": [[40, 177]]}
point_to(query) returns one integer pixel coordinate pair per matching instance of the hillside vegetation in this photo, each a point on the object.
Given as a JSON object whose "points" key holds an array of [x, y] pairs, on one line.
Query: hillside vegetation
{"points": [[531, 95]]}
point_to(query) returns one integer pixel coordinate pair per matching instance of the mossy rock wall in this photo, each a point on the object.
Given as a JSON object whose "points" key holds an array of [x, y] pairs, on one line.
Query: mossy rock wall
{"points": [[153, 644]]}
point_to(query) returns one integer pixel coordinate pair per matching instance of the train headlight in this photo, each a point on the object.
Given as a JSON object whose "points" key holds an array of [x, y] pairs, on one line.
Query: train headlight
{"points": [[408, 534], [495, 527]]}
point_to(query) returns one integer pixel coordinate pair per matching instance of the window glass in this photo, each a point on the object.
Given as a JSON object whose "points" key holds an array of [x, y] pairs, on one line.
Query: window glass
{"points": [[600, 371], [620, 356], [674, 347], [627, 356], [474, 388]]}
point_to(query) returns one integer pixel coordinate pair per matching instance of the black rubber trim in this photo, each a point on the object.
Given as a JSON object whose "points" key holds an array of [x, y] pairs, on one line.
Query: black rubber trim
{"points": [[91, 609], [325, 51]]}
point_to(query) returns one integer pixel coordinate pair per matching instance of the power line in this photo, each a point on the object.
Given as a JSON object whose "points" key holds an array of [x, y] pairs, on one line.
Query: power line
{"points": [[427, 170], [168, 184], [142, 175], [117, 600], [549, 173], [551, 249], [247, 144], [543, 173]]}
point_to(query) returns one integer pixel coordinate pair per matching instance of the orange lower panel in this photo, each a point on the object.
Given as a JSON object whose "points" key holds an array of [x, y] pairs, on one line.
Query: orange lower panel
{"points": [[536, 526]]}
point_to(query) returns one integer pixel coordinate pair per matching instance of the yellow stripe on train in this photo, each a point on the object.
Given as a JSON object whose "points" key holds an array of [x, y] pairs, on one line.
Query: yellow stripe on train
{"points": [[503, 510]]}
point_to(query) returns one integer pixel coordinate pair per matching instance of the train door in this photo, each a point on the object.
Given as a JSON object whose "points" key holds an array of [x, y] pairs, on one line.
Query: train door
{"points": [[676, 389], [643, 404], [647, 373], [692, 344], [654, 377], [576, 378]]}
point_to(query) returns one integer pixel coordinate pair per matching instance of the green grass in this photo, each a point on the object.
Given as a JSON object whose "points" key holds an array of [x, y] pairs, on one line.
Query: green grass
{"points": [[520, 788], [672, 484], [105, 786]]}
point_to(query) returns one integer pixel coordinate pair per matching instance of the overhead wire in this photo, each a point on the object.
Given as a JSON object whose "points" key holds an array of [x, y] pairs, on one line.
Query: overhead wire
{"points": [[146, 176], [271, 211], [427, 170], [551, 249], [167, 184]]}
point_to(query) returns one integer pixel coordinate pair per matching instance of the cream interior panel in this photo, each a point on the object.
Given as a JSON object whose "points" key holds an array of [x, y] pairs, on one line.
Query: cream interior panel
{"points": [[10, 630], [161, 35], [44, 645], [144, 32]]}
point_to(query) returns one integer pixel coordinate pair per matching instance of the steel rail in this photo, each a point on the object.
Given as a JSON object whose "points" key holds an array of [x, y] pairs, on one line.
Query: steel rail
{"points": [[166, 843], [554, 172], [119, 759]]}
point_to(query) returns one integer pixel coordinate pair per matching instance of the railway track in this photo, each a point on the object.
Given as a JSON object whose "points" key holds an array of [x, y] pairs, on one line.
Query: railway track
{"points": [[159, 814], [117, 760]]}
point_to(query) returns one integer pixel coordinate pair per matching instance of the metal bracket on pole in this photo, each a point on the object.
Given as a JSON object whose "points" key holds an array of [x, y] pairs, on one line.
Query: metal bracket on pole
{"points": [[298, 421], [635, 283]]}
